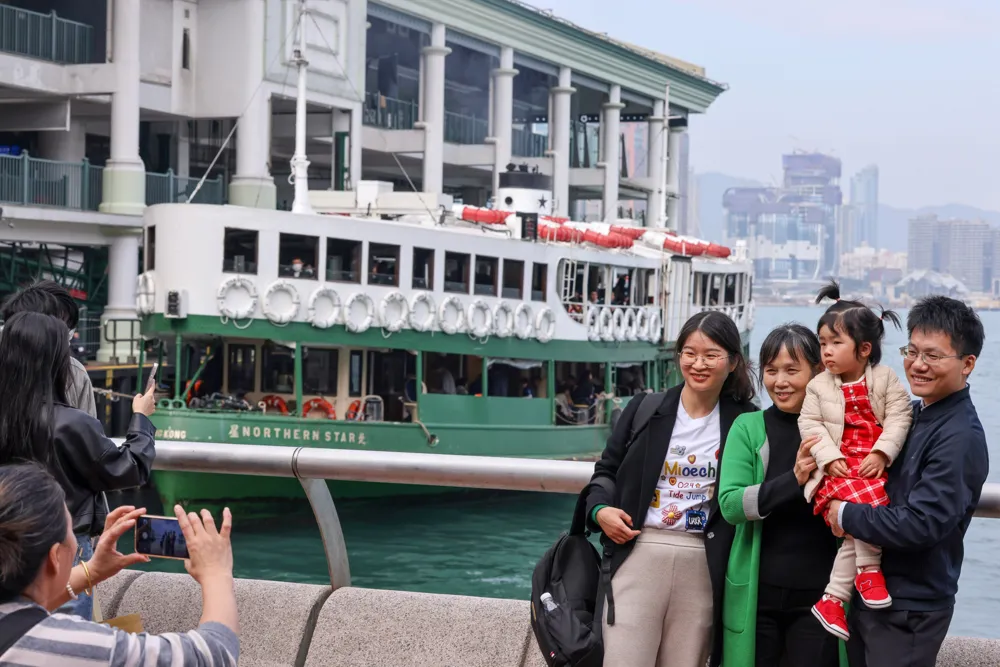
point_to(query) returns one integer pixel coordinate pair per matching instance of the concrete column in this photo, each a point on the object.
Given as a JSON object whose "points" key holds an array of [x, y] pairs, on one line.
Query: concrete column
{"points": [[183, 149], [656, 152], [673, 177], [560, 129], [124, 174], [433, 116], [611, 155], [503, 113], [70, 147], [252, 184], [341, 123], [123, 269]]}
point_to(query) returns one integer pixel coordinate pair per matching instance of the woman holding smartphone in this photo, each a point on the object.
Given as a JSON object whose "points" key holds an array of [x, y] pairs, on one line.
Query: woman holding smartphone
{"points": [[37, 424]]}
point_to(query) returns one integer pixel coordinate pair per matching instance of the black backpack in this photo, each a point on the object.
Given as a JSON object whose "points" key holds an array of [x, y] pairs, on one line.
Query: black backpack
{"points": [[569, 575]]}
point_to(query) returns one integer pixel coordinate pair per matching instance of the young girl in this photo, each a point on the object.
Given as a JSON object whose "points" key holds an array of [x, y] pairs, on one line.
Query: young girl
{"points": [[861, 413]]}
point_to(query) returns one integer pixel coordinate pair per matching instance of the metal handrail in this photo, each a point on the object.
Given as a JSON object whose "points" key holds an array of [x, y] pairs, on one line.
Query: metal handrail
{"points": [[312, 466]]}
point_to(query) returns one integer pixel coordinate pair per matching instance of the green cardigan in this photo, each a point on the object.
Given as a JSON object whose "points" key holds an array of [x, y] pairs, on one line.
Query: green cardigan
{"points": [[744, 464]]}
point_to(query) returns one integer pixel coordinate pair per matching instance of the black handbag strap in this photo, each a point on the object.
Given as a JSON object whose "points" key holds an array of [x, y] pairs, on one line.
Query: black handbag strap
{"points": [[18, 623]]}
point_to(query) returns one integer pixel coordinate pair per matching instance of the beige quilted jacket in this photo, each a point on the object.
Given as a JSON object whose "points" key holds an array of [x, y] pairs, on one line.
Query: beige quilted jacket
{"points": [[823, 415]]}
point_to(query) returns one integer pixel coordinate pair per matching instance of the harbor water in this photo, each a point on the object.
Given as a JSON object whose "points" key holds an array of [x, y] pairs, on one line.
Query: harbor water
{"points": [[487, 543]]}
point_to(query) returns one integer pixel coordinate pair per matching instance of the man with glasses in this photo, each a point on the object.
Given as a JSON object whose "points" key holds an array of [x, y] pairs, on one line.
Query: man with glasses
{"points": [[933, 490]]}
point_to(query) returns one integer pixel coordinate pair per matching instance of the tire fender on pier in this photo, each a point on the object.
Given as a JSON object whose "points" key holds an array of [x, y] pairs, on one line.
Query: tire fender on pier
{"points": [[393, 322], [355, 325], [281, 313], [480, 319], [503, 320], [451, 315], [545, 325], [228, 301], [324, 317], [523, 322]]}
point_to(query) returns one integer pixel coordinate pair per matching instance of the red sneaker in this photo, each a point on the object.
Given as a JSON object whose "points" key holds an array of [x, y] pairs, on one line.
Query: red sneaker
{"points": [[830, 613], [871, 586]]}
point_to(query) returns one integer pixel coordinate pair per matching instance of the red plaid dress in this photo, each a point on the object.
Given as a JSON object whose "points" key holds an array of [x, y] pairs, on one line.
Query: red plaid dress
{"points": [[861, 431]]}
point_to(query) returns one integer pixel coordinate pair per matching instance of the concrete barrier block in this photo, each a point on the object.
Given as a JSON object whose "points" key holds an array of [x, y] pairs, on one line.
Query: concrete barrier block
{"points": [[276, 618], [969, 652], [109, 593], [361, 627]]}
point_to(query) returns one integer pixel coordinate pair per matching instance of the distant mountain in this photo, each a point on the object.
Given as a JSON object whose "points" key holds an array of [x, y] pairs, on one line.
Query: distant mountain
{"points": [[711, 187]]}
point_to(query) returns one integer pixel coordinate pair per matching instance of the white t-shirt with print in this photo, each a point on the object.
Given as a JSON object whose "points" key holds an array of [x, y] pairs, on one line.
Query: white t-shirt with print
{"points": [[689, 475]]}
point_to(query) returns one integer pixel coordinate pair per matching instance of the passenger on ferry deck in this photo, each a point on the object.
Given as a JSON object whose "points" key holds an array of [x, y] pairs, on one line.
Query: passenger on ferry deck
{"points": [[665, 543], [767, 617], [37, 424], [934, 489], [36, 575]]}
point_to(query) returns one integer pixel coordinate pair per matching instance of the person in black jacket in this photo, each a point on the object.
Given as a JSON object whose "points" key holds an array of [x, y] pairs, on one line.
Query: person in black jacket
{"points": [[666, 545], [36, 424], [933, 491]]}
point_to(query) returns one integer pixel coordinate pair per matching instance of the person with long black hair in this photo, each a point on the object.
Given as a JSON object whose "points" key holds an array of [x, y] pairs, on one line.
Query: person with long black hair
{"points": [[37, 424], [653, 499]]}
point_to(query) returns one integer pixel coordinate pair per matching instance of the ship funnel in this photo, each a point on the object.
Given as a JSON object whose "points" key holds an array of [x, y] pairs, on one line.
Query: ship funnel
{"points": [[526, 193]]}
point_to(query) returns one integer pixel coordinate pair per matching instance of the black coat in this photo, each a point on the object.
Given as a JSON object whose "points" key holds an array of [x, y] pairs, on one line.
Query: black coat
{"points": [[634, 473], [88, 463]]}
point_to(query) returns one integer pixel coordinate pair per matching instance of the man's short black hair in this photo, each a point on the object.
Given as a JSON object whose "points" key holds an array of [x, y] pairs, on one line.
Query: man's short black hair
{"points": [[46, 297], [951, 317]]}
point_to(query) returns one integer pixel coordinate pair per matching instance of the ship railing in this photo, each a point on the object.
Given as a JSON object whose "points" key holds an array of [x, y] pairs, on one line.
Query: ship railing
{"points": [[314, 467]]}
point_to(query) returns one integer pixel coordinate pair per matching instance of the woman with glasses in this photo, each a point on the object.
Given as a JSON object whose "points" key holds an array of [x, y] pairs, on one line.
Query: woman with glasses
{"points": [[653, 498]]}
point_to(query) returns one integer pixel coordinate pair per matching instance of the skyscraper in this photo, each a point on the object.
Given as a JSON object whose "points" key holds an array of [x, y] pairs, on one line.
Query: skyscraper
{"points": [[864, 198], [961, 248]]}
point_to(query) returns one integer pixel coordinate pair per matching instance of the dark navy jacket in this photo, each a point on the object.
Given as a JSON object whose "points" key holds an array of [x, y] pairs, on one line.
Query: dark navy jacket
{"points": [[933, 490]]}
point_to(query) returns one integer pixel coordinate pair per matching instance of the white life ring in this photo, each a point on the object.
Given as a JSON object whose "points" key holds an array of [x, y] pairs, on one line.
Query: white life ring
{"points": [[642, 324], [394, 322], [291, 307], [145, 293], [655, 327], [451, 316], [425, 302], [316, 317], [630, 324], [503, 320], [485, 324], [523, 322], [545, 325], [594, 323], [618, 323], [607, 322], [237, 311], [366, 321]]}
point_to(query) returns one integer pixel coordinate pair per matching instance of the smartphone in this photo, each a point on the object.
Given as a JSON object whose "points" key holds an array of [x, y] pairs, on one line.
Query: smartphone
{"points": [[160, 537], [151, 382]]}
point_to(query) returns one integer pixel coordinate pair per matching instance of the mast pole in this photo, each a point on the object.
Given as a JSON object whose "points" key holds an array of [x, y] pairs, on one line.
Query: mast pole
{"points": [[299, 162]]}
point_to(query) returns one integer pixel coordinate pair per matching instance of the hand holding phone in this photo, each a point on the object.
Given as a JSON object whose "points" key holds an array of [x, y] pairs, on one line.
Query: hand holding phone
{"points": [[160, 537], [151, 382], [145, 403]]}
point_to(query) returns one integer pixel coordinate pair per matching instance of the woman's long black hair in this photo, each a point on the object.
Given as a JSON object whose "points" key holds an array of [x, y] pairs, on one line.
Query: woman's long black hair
{"points": [[722, 331], [34, 374]]}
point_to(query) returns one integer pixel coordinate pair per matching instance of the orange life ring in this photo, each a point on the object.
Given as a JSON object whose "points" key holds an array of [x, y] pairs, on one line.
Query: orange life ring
{"points": [[276, 403], [354, 411], [319, 404]]}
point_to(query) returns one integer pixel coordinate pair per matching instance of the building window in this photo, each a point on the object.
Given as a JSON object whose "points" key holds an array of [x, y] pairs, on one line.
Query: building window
{"points": [[355, 374], [239, 254], [278, 374], [486, 276], [343, 261], [513, 279], [383, 264], [319, 371], [539, 280], [242, 371], [456, 272], [186, 49], [149, 252], [423, 268], [297, 256]]}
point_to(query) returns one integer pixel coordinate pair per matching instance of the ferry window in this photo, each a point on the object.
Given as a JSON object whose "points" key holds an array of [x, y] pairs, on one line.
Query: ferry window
{"points": [[242, 368], [597, 283], [729, 295], [278, 374], [513, 279], [423, 268], [149, 252], [239, 254], [297, 256], [456, 272], [383, 264], [343, 261], [621, 287], [319, 371], [355, 376], [539, 278], [486, 276]]}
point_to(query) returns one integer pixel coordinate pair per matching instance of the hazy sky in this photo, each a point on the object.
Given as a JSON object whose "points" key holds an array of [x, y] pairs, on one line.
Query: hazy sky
{"points": [[910, 85]]}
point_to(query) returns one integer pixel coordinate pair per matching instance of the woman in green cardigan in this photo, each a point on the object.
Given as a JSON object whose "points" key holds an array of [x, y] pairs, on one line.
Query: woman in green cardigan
{"points": [[782, 553]]}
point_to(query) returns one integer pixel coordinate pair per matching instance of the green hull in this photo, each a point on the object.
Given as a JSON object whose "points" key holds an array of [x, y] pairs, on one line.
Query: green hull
{"points": [[550, 442]]}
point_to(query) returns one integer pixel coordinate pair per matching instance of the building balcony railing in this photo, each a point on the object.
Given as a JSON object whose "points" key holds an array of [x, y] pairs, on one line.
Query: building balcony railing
{"points": [[45, 36], [79, 185], [389, 113], [462, 129], [525, 143]]}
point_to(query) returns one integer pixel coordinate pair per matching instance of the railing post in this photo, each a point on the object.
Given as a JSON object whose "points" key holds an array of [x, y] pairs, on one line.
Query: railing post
{"points": [[53, 40], [170, 185], [85, 185], [328, 522], [25, 164]]}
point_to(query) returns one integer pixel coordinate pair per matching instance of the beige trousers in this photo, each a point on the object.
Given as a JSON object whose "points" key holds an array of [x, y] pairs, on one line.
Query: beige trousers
{"points": [[663, 604], [852, 555]]}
